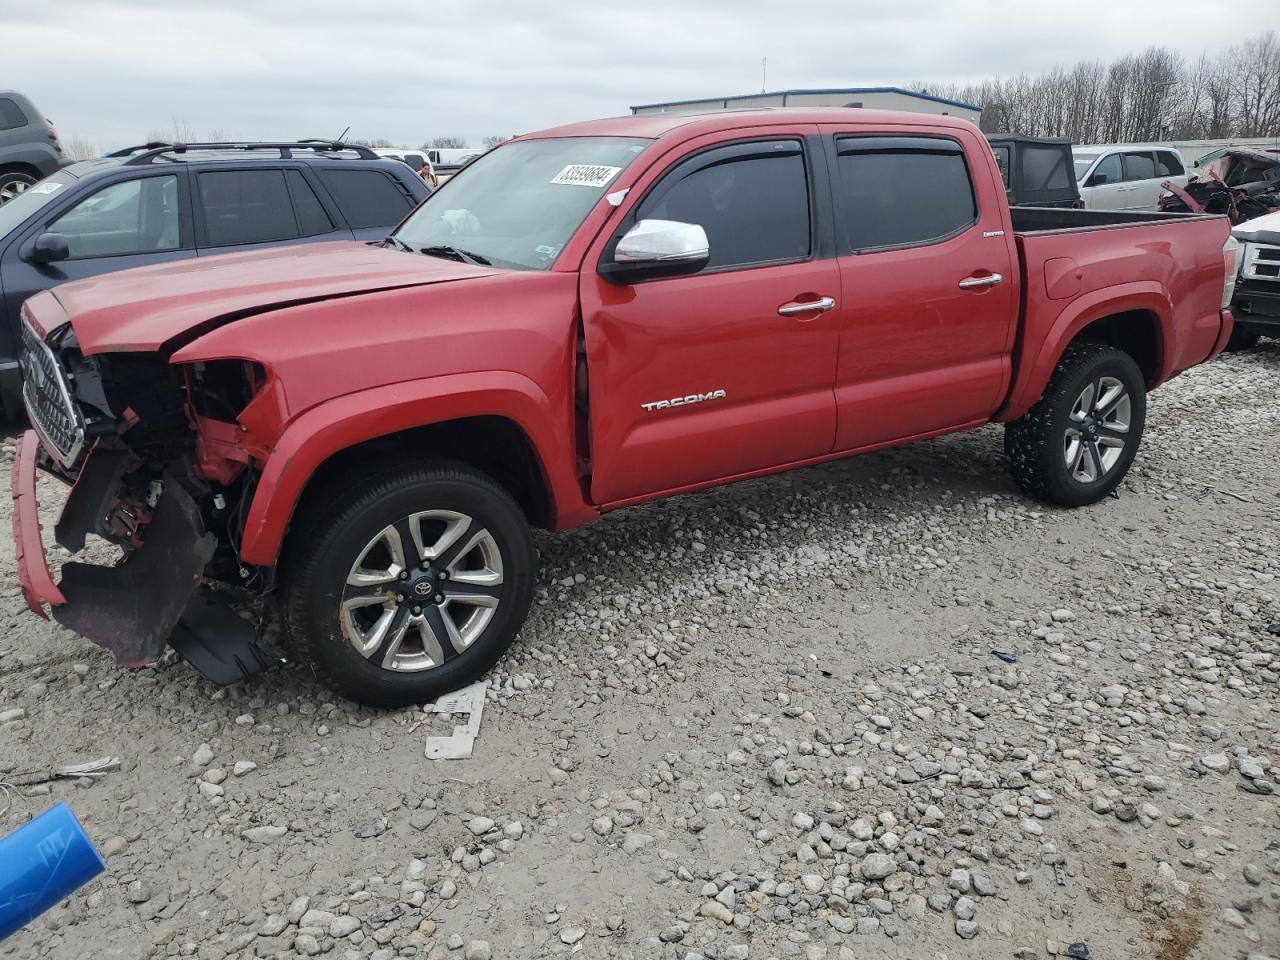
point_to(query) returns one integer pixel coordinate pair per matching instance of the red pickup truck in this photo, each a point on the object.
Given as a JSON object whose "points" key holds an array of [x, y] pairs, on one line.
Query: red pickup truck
{"points": [[583, 319]]}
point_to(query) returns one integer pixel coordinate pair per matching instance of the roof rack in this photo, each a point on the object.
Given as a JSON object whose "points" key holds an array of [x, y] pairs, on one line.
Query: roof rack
{"points": [[146, 152]]}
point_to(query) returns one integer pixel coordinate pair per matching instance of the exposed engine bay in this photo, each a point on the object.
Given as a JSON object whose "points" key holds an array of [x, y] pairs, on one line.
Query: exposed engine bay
{"points": [[160, 468], [1242, 184]]}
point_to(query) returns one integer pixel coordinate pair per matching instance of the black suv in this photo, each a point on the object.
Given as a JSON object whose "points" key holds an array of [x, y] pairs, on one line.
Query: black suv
{"points": [[162, 202], [29, 147]]}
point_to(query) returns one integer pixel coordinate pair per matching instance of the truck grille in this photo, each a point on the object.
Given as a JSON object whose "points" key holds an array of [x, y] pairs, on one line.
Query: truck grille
{"points": [[1261, 262], [46, 393]]}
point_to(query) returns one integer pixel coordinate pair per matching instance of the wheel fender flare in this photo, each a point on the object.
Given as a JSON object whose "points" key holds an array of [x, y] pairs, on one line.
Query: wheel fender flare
{"points": [[337, 424], [1034, 370]]}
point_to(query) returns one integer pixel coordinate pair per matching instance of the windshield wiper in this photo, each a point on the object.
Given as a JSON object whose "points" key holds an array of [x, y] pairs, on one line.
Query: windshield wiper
{"points": [[453, 253], [399, 243]]}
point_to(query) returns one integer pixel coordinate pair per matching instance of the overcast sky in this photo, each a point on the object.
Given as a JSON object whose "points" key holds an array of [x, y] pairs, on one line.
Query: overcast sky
{"points": [[110, 72]]}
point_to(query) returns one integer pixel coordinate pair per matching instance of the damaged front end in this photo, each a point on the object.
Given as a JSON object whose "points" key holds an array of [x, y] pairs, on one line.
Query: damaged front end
{"points": [[161, 468], [1241, 184]]}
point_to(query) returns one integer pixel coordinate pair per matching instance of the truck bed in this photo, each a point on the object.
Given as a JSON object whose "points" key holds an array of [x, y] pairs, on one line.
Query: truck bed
{"points": [[1032, 220], [1082, 265]]}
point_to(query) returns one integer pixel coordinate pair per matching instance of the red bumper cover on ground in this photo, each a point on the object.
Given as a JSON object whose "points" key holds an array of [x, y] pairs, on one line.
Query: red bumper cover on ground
{"points": [[38, 587]]}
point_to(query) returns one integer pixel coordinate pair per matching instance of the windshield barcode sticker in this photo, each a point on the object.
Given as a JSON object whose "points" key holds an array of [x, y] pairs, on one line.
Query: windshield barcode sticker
{"points": [[586, 175], [46, 188]]}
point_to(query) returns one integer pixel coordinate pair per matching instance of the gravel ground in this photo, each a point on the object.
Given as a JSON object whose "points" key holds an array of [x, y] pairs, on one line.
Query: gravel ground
{"points": [[765, 721]]}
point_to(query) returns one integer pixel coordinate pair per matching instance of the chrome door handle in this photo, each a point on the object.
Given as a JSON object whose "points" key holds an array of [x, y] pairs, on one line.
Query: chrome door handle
{"points": [[971, 283], [813, 306]]}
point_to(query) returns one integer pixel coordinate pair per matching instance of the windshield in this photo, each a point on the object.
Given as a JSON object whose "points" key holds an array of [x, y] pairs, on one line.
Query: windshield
{"points": [[1083, 161], [518, 205], [17, 210]]}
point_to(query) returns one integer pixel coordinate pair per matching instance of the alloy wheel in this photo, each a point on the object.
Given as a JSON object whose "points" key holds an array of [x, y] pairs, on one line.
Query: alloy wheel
{"points": [[12, 189], [1098, 430], [422, 591]]}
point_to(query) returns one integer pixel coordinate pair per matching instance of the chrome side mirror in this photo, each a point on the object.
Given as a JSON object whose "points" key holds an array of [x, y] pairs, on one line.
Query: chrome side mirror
{"points": [[657, 248]]}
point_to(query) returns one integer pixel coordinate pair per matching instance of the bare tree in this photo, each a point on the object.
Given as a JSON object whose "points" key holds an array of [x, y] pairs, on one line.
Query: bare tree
{"points": [[445, 143], [78, 148], [491, 142]]}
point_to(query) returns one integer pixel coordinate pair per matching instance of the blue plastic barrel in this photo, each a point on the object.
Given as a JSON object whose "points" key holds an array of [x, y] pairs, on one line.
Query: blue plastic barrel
{"points": [[40, 863]]}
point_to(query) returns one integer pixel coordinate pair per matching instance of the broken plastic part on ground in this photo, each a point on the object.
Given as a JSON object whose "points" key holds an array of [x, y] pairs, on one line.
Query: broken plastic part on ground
{"points": [[468, 700]]}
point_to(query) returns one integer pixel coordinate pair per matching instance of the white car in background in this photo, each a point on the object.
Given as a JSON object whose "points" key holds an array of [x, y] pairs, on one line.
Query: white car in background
{"points": [[1126, 176]]}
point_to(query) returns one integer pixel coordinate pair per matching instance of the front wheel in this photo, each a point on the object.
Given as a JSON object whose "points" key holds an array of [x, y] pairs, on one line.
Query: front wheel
{"points": [[411, 583], [1079, 440]]}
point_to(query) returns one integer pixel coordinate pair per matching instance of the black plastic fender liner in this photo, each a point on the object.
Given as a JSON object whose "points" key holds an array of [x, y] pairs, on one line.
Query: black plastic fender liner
{"points": [[92, 496], [215, 640], [132, 608]]}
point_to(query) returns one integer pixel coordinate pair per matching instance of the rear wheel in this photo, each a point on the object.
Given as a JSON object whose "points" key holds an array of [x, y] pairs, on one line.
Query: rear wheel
{"points": [[12, 183], [1078, 442], [411, 583]]}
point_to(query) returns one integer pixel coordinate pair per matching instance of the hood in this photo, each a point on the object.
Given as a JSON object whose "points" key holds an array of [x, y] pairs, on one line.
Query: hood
{"points": [[1264, 229], [164, 306]]}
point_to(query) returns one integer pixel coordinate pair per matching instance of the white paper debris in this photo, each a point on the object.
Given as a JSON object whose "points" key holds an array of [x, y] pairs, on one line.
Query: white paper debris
{"points": [[468, 700]]}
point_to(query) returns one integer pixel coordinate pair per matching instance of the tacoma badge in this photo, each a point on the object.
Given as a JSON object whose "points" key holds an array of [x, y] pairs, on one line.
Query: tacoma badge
{"points": [[684, 401]]}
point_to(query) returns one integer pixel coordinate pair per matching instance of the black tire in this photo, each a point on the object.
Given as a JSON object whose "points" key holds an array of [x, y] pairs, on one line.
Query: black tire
{"points": [[12, 178], [336, 532], [1037, 445], [1242, 338]]}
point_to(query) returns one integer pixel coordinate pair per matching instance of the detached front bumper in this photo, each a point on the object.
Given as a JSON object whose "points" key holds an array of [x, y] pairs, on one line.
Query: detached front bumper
{"points": [[37, 583], [130, 608]]}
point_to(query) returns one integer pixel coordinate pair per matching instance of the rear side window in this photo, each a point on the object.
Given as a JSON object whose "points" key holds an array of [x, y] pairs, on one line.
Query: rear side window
{"points": [[367, 198], [245, 206], [754, 208], [903, 190], [11, 115], [1168, 164], [1139, 166], [312, 219], [1046, 168]]}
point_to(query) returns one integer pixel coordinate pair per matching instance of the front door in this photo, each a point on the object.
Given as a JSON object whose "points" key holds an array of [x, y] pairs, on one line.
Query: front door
{"points": [[927, 266], [128, 223], [1106, 187], [728, 371]]}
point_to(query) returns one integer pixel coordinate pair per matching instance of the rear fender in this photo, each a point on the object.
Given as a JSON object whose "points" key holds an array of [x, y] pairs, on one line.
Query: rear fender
{"points": [[1034, 367], [345, 421]]}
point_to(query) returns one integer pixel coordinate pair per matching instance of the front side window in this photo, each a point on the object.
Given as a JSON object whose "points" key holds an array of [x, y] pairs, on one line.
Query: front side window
{"points": [[518, 205], [1168, 164], [245, 206], [903, 190], [1139, 166], [754, 209], [1108, 171], [367, 198], [136, 216]]}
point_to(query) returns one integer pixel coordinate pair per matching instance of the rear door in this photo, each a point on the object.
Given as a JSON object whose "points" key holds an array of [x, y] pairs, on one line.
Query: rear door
{"points": [[241, 208], [706, 377], [133, 222], [927, 269]]}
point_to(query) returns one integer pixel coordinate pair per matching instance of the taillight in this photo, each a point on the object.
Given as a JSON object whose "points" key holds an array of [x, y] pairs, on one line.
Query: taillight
{"points": [[1231, 262], [53, 136]]}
